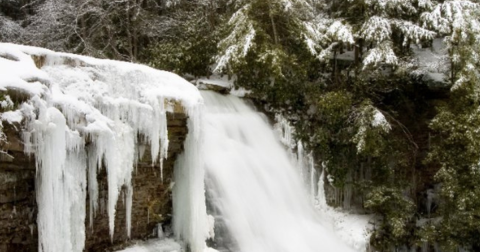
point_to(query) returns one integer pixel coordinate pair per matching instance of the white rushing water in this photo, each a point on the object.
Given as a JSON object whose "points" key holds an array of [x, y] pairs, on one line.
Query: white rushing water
{"points": [[253, 188]]}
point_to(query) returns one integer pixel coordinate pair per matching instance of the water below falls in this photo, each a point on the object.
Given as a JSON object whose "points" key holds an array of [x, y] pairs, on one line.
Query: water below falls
{"points": [[253, 189]]}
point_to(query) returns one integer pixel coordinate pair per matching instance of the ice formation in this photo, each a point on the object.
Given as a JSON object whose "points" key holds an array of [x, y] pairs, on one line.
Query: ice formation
{"points": [[84, 113], [190, 221]]}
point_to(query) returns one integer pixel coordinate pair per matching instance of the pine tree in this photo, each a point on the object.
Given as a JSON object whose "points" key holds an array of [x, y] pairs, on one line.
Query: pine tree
{"points": [[382, 33], [267, 48], [455, 150]]}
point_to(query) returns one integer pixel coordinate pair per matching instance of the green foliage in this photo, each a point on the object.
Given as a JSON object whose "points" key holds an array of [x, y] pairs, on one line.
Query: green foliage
{"points": [[265, 50], [456, 151], [190, 52], [456, 142], [397, 212], [354, 132]]}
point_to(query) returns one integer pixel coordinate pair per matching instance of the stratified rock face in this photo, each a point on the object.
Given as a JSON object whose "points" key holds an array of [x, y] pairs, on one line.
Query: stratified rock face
{"points": [[152, 201], [17, 196]]}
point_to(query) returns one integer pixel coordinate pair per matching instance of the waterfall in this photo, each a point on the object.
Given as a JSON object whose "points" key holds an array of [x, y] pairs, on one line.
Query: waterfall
{"points": [[253, 187]]}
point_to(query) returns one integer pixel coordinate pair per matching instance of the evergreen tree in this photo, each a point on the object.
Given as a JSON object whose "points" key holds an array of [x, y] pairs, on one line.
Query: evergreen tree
{"points": [[456, 145], [382, 30]]}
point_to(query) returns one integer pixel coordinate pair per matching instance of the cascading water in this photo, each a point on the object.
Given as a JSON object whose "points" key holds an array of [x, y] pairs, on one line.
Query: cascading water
{"points": [[253, 189]]}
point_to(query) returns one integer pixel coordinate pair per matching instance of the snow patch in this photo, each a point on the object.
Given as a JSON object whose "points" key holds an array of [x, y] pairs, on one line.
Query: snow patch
{"points": [[12, 116], [159, 245], [224, 84], [155, 245]]}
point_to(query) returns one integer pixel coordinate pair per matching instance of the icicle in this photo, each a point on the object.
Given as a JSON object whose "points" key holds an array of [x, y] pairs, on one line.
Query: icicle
{"points": [[300, 158], [128, 206], [347, 192], [92, 187], [61, 182], [119, 157], [285, 131], [430, 196], [158, 134], [189, 209], [312, 177], [322, 200], [160, 233], [75, 185]]}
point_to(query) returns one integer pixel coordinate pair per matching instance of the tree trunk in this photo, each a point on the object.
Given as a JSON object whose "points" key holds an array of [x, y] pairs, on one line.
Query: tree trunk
{"points": [[274, 28]]}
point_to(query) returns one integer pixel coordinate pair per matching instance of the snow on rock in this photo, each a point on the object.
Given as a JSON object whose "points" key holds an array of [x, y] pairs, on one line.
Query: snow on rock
{"points": [[221, 84], [111, 105], [18, 72], [12, 116], [222, 81]]}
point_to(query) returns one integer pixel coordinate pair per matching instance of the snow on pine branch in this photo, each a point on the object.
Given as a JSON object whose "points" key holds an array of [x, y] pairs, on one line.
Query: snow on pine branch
{"points": [[392, 6], [238, 43], [369, 119], [449, 15], [383, 53], [327, 33], [312, 36], [413, 32], [340, 32], [376, 29], [426, 4]]}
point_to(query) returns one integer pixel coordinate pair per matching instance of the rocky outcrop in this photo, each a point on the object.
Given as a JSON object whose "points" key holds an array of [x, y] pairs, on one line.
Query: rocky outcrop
{"points": [[17, 196], [152, 202]]}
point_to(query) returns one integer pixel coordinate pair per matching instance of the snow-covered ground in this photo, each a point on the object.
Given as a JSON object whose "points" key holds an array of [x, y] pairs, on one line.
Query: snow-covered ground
{"points": [[159, 245], [155, 245], [354, 229]]}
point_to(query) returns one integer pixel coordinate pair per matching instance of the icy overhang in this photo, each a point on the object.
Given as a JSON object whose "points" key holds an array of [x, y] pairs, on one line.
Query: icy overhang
{"points": [[79, 114]]}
